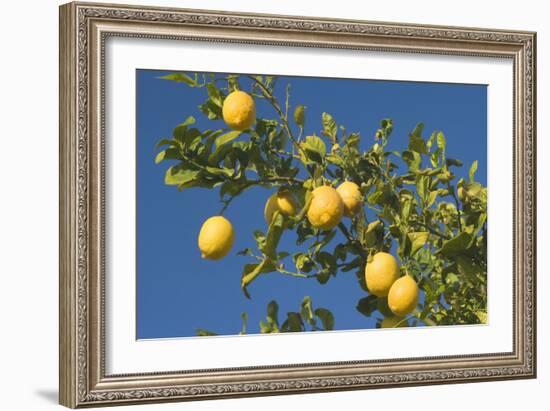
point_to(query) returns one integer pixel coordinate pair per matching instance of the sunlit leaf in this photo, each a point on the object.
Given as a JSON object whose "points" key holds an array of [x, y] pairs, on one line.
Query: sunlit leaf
{"points": [[180, 78], [418, 240], [472, 172], [329, 126]]}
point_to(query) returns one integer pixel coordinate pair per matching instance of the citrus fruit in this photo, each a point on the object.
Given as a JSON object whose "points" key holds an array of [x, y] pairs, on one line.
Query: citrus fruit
{"points": [[380, 273], [351, 196], [403, 296], [326, 208], [239, 110], [393, 322], [216, 238], [282, 201]]}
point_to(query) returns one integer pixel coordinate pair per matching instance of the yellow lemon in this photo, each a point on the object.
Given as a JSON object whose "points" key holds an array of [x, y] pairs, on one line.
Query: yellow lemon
{"points": [[351, 196], [380, 273], [239, 110], [393, 322], [326, 208], [216, 238], [283, 201], [403, 296]]}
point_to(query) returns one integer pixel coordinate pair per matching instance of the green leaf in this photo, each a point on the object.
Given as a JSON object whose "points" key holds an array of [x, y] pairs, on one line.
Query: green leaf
{"points": [[441, 141], [315, 149], [323, 276], [273, 314], [164, 142], [327, 260], [230, 188], [418, 239], [326, 317], [385, 130], [303, 262], [244, 317], [180, 78], [367, 305], [293, 323], [299, 115], [473, 170], [307, 311], [211, 110], [413, 160], [180, 131], [422, 183], [170, 153], [221, 172], [482, 316], [214, 94], [456, 245], [453, 162], [226, 138], [204, 333], [329, 127], [416, 142], [372, 234], [251, 271], [383, 307], [178, 176], [274, 232], [431, 198], [441, 144], [160, 156]]}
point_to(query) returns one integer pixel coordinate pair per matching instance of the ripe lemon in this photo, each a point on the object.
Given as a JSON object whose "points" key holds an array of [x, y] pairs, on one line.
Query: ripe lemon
{"points": [[283, 201], [326, 208], [403, 296], [351, 196], [216, 238], [380, 273], [393, 322], [239, 110]]}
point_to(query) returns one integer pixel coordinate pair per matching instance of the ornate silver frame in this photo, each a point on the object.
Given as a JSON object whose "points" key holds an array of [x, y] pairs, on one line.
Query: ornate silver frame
{"points": [[83, 30]]}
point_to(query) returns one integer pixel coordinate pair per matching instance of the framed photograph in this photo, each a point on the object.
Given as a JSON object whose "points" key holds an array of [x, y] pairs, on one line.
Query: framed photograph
{"points": [[258, 204]]}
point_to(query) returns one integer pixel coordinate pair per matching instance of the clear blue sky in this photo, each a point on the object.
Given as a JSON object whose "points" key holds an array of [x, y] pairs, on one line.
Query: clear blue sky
{"points": [[177, 291]]}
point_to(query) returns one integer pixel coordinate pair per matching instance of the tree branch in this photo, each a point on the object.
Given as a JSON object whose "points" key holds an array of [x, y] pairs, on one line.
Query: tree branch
{"points": [[269, 96], [250, 183], [452, 191]]}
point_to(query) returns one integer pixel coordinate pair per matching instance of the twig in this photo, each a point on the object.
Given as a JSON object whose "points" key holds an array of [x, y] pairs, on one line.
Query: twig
{"points": [[452, 191], [352, 240], [279, 111], [433, 230], [300, 275]]}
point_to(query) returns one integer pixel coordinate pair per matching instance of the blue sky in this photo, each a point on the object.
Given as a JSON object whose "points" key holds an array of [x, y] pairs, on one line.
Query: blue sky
{"points": [[177, 291]]}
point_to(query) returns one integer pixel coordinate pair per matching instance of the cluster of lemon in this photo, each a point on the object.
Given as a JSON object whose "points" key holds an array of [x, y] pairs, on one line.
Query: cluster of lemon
{"points": [[383, 281], [326, 209]]}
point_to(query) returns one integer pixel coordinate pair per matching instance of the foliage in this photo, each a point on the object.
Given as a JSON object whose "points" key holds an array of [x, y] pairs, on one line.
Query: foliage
{"points": [[414, 205], [306, 319]]}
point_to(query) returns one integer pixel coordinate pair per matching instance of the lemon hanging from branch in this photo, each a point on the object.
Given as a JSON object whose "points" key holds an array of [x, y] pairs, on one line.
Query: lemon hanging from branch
{"points": [[403, 296], [216, 238], [351, 196], [239, 110], [282, 201], [380, 273], [326, 208]]}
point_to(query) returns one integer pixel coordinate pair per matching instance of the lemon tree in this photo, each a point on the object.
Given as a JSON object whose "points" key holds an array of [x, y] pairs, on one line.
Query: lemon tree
{"points": [[413, 233]]}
